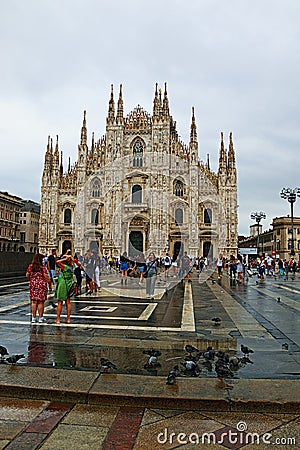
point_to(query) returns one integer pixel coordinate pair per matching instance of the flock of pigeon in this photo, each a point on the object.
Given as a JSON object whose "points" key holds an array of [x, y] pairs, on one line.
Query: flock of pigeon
{"points": [[224, 365], [5, 359]]}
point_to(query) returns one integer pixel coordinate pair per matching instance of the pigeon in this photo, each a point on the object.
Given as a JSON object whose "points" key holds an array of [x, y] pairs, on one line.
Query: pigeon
{"points": [[216, 320], [246, 350], [13, 359], [285, 346], [246, 360], [152, 352], [223, 370], [190, 349], [106, 364], [213, 282], [278, 299], [53, 305], [173, 374], [208, 365], [3, 351], [152, 363], [191, 368], [209, 355], [222, 356], [234, 363]]}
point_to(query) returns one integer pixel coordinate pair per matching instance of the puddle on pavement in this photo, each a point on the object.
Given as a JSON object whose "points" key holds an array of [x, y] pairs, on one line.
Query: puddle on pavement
{"points": [[134, 361]]}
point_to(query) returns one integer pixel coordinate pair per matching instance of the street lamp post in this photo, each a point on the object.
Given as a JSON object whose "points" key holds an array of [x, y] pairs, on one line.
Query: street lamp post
{"points": [[291, 195], [257, 216]]}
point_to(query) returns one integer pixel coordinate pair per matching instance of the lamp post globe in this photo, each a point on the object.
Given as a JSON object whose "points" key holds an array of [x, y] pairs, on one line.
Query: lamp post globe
{"points": [[258, 216], [291, 194]]}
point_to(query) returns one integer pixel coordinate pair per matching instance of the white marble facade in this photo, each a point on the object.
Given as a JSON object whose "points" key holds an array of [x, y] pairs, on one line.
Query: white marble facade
{"points": [[139, 187]]}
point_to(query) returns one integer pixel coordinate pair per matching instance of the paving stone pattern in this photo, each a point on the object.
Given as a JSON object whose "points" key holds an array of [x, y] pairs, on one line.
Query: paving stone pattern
{"points": [[37, 424]]}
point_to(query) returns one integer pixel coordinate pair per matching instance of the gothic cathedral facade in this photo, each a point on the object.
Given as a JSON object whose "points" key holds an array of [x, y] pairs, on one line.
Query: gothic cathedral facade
{"points": [[139, 188]]}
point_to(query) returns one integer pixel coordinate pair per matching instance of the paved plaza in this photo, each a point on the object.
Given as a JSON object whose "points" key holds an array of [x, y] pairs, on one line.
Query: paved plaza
{"points": [[58, 392]]}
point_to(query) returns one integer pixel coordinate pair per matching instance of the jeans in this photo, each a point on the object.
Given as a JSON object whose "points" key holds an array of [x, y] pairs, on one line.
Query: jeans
{"points": [[150, 286]]}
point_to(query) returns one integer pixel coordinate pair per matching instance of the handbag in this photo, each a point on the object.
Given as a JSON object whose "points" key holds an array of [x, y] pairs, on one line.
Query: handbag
{"points": [[146, 273]]}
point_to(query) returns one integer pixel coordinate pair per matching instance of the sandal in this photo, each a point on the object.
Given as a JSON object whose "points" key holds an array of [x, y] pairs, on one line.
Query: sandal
{"points": [[67, 321], [57, 321]]}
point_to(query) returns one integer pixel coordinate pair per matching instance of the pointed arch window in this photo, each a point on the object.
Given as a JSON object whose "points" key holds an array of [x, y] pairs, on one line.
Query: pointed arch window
{"points": [[95, 217], [138, 151], [96, 191], [67, 216], [136, 194], [179, 216], [207, 215], [178, 188]]}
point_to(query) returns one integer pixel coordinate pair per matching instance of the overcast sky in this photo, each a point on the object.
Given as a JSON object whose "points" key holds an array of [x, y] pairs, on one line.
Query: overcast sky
{"points": [[235, 61]]}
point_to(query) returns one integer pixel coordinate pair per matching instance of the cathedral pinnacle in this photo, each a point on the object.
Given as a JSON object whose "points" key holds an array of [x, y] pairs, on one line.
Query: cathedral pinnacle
{"points": [[156, 103], [93, 142], [231, 152], [222, 155], [56, 154], [111, 107], [120, 113], [166, 112], [83, 130], [193, 135]]}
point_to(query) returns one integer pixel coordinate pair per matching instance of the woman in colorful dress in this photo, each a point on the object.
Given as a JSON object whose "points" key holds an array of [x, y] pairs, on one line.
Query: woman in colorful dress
{"points": [[38, 287], [65, 285]]}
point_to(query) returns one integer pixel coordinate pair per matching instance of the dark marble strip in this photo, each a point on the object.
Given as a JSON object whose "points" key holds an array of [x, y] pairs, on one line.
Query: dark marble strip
{"points": [[124, 430], [49, 418]]}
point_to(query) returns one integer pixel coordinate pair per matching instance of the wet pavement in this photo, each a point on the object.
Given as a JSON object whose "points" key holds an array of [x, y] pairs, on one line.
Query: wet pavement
{"points": [[61, 375], [119, 323]]}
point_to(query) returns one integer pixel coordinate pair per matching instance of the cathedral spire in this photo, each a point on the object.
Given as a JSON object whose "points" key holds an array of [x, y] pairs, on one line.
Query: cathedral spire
{"points": [[207, 162], [83, 139], [56, 154], [48, 155], [193, 134], [111, 107], [166, 112], [160, 101], [120, 116], [231, 153], [93, 142], [222, 156], [231, 169], [156, 103], [61, 168]]}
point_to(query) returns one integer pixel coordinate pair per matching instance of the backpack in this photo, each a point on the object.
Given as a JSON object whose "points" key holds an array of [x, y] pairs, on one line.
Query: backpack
{"points": [[167, 260]]}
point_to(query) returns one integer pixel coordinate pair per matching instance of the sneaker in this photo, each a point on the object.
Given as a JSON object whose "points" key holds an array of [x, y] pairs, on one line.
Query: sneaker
{"points": [[34, 320], [42, 320]]}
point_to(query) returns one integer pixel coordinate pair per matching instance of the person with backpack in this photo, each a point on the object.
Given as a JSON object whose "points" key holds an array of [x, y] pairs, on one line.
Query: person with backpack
{"points": [[232, 268], [151, 275], [186, 266], [167, 261]]}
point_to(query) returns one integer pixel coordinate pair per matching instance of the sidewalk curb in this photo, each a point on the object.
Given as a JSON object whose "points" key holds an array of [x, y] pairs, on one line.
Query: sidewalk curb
{"points": [[91, 387]]}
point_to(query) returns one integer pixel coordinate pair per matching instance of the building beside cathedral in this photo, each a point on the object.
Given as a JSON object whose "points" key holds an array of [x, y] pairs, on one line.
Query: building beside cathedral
{"points": [[139, 187]]}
